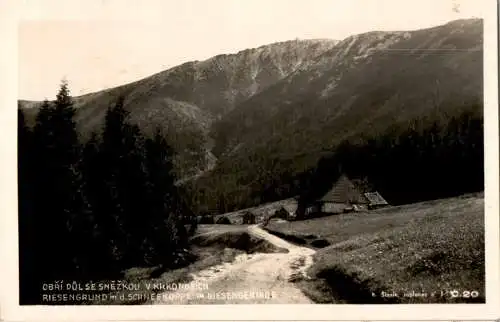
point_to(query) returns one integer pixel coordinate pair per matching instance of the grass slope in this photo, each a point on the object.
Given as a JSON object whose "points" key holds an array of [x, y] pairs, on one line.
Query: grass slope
{"points": [[426, 247]]}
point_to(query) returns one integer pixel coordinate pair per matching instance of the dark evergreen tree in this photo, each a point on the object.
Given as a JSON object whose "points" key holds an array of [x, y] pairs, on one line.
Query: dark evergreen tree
{"points": [[57, 186], [28, 273], [96, 253], [121, 195], [163, 205]]}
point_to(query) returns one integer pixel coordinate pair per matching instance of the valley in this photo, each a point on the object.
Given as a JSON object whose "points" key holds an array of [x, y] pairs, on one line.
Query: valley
{"points": [[280, 107]]}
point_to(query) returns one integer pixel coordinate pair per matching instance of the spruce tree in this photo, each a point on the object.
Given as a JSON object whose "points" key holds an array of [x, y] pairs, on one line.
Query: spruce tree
{"points": [[112, 204], [166, 207], [58, 186], [123, 188], [28, 279], [95, 252]]}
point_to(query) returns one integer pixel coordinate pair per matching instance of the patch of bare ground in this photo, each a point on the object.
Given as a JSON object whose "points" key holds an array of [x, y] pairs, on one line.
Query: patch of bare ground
{"points": [[263, 277], [240, 240], [212, 246], [415, 253]]}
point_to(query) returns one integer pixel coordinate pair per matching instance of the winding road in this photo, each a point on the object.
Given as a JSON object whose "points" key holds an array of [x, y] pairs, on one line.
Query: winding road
{"points": [[250, 279]]}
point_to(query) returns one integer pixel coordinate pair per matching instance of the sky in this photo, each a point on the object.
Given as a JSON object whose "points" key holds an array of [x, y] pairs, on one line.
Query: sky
{"points": [[97, 44]]}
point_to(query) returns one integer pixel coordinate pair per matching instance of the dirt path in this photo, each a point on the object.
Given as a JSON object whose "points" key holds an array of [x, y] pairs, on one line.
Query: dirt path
{"points": [[252, 278]]}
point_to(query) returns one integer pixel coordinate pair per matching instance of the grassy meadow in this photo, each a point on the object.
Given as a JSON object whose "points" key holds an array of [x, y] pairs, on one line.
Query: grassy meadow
{"points": [[431, 248]]}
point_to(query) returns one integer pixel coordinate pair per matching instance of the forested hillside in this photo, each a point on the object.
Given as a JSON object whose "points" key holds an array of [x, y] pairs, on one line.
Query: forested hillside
{"points": [[368, 86], [255, 126]]}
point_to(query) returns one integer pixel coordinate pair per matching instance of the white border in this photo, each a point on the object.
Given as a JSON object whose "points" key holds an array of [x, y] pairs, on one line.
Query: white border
{"points": [[10, 310]]}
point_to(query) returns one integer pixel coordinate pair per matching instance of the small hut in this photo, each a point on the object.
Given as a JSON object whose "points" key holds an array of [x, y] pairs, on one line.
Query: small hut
{"points": [[249, 218], [282, 213], [375, 200]]}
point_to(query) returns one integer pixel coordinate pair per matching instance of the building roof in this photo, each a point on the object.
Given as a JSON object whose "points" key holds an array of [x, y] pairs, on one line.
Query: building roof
{"points": [[290, 208], [375, 199], [344, 191]]}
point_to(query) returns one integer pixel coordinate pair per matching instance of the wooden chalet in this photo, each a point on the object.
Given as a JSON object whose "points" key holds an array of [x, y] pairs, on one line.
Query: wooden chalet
{"points": [[345, 196]]}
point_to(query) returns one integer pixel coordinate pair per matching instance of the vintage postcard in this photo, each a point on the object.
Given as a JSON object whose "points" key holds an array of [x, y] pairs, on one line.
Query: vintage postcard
{"points": [[202, 160]]}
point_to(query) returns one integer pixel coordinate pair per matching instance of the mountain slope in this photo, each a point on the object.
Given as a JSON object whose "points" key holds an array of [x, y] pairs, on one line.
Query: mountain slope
{"points": [[377, 77], [265, 114], [186, 99], [362, 86]]}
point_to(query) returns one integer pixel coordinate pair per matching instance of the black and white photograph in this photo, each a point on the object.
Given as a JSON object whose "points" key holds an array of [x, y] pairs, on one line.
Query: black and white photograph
{"points": [[251, 152]]}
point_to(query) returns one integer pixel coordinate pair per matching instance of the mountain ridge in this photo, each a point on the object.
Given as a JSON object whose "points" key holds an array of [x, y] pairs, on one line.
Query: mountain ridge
{"points": [[296, 97], [187, 98], [27, 103]]}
